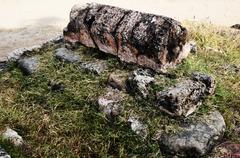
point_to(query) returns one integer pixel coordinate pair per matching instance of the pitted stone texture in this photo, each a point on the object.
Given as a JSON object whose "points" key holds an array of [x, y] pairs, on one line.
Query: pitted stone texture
{"points": [[152, 41], [4, 154], [208, 80], [138, 82], [110, 103], [117, 80], [13, 137], [138, 127], [196, 139], [64, 54], [95, 67], [182, 99], [28, 65]]}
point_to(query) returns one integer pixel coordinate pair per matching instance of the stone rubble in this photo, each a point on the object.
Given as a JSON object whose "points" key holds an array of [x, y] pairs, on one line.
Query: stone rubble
{"points": [[138, 127], [111, 103], [138, 82], [28, 65], [66, 55], [185, 97]]}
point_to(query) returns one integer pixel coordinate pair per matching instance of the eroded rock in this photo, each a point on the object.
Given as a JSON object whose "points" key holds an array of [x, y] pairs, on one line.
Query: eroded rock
{"points": [[152, 41], [95, 67], [208, 80], [138, 127], [185, 97], [110, 103], [28, 65], [196, 139], [13, 137], [117, 80], [4, 154], [138, 82], [64, 54]]}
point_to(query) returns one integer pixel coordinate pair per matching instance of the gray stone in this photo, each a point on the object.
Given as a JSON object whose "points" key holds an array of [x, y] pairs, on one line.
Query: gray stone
{"points": [[208, 80], [193, 47], [28, 64], [182, 99], [13, 137], [185, 97], [3, 66], [138, 82], [96, 67], [151, 41], [138, 127], [111, 103], [196, 139], [4, 154], [64, 54]]}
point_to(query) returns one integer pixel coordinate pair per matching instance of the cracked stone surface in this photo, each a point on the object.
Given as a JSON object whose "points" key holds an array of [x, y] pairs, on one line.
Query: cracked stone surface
{"points": [[138, 82], [152, 41], [64, 54], [28, 65], [185, 97], [196, 139]]}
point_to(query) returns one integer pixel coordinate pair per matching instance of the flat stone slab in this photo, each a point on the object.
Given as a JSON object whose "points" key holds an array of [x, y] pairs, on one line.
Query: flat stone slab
{"points": [[28, 65], [196, 139], [151, 41], [66, 55]]}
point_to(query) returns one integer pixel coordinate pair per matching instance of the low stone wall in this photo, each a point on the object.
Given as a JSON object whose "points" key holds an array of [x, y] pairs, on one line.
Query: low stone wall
{"points": [[151, 41]]}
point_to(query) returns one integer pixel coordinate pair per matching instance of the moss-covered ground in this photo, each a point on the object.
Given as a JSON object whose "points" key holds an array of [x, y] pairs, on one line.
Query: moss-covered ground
{"points": [[69, 124]]}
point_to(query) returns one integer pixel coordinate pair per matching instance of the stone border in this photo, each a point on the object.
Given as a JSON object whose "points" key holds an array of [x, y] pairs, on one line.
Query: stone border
{"points": [[16, 54]]}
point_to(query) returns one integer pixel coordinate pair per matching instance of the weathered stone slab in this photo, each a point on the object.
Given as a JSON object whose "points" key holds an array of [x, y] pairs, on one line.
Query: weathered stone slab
{"points": [[64, 54], [196, 139], [28, 65], [185, 97], [151, 41]]}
